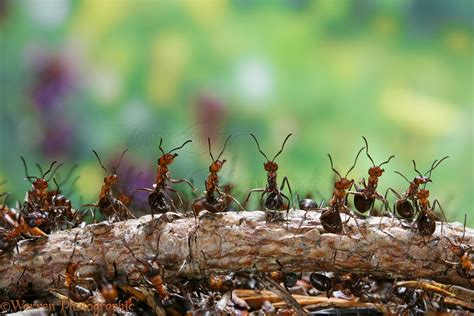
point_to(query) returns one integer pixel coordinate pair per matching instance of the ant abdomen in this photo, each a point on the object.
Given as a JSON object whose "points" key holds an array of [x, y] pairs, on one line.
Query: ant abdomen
{"points": [[319, 281], [307, 204], [290, 279], [426, 224], [331, 221], [404, 208], [159, 202], [363, 203], [274, 201]]}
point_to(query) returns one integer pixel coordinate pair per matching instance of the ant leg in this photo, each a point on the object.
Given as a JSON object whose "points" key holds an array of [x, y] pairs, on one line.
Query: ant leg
{"points": [[233, 199], [252, 191], [285, 179], [177, 194], [165, 190], [145, 190], [387, 205], [442, 211], [348, 212], [193, 188], [287, 209]]}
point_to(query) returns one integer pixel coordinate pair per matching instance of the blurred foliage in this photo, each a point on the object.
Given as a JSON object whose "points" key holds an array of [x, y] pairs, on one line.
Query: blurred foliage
{"points": [[77, 75]]}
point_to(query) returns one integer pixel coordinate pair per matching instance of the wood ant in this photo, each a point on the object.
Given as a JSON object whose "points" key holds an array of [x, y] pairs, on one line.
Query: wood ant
{"points": [[73, 282], [212, 202], [330, 217], [288, 279], [405, 204], [274, 195], [364, 198], [464, 267], [159, 198], [153, 275], [110, 206], [348, 284]]}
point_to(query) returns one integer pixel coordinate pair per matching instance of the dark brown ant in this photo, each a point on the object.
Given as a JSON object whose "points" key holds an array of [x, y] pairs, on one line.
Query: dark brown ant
{"points": [[348, 284], [108, 205], [212, 202], [330, 217], [153, 275], [73, 282], [464, 267], [159, 198], [288, 279], [426, 220], [364, 198], [405, 204], [274, 195], [221, 283]]}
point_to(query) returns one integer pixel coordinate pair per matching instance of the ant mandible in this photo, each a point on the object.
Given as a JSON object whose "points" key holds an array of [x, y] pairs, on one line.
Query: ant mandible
{"points": [[108, 205], [159, 198], [274, 199], [404, 205], [364, 199], [330, 217], [210, 201]]}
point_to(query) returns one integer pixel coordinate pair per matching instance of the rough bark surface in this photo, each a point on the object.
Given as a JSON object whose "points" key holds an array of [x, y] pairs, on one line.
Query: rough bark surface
{"points": [[238, 241]]}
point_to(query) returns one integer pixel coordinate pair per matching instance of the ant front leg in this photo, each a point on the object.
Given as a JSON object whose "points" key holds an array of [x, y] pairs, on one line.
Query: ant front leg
{"points": [[436, 202], [282, 186], [233, 199], [252, 191], [387, 206], [348, 212], [193, 188]]}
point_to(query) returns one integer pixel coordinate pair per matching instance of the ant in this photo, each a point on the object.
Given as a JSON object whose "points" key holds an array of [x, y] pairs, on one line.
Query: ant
{"points": [[465, 266], [349, 284], [404, 205], [288, 279], [73, 282], [153, 274], [108, 204], [364, 199], [159, 198], [39, 195], [210, 201], [330, 217], [274, 194]]}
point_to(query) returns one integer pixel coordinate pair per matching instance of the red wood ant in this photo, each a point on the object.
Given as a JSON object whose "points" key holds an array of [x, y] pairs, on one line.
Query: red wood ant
{"points": [[212, 202], [153, 275], [159, 198], [330, 217], [73, 282], [404, 205], [110, 206], [464, 266], [274, 195], [364, 199]]}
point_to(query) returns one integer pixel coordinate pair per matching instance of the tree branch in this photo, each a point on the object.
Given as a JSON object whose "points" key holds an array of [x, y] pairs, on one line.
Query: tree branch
{"points": [[237, 241]]}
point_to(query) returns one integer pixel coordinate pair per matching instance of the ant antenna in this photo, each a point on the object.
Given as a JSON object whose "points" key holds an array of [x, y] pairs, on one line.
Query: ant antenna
{"points": [[209, 143], [387, 161], [54, 171], [434, 165], [5, 200], [100, 162], [332, 167], [39, 168], [159, 146], [26, 169], [414, 167], [355, 161], [258, 146], [128, 247], [74, 248], [188, 141], [463, 231], [282, 146], [57, 185], [398, 172], [223, 148], [367, 151], [49, 170], [71, 171], [118, 165]]}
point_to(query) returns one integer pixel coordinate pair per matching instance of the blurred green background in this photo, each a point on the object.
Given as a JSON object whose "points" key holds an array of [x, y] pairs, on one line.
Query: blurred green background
{"points": [[110, 75]]}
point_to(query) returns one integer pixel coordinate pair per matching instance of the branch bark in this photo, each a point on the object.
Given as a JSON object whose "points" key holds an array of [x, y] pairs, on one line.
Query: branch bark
{"points": [[238, 241]]}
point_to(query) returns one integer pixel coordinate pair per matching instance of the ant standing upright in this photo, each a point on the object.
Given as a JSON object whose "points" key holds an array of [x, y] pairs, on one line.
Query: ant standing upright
{"points": [[110, 206], [330, 217], [274, 195], [159, 198], [364, 198], [210, 201]]}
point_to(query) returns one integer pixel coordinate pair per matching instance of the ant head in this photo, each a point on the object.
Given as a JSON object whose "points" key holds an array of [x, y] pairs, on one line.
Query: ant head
{"points": [[343, 184], [40, 184], [348, 171], [167, 158], [216, 166], [421, 180], [376, 171], [111, 179], [270, 165], [113, 174], [423, 194]]}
